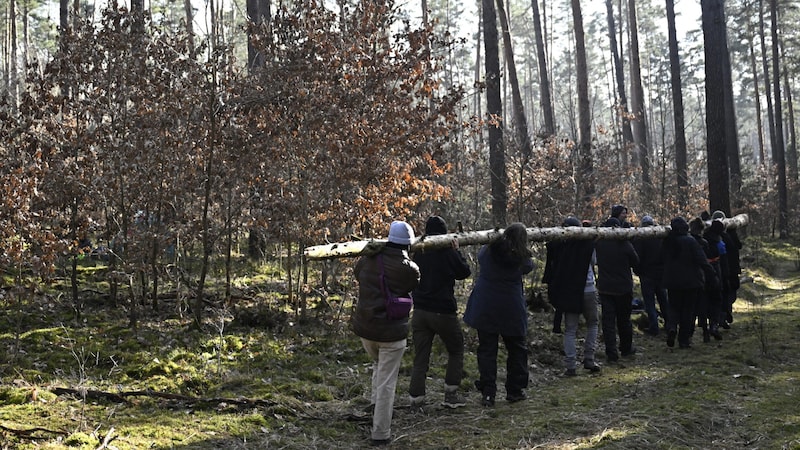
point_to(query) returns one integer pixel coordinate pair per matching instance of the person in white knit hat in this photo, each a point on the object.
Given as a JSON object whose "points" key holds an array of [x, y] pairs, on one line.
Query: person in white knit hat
{"points": [[383, 337]]}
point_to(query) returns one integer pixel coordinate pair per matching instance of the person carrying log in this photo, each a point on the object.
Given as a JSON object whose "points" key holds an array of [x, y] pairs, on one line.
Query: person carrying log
{"points": [[435, 313], [383, 337], [496, 308]]}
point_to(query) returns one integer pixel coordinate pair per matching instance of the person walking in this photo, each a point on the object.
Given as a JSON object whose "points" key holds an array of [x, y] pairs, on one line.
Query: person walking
{"points": [[383, 338], [435, 313], [733, 246], [650, 272], [717, 256], [686, 271], [569, 277], [615, 259], [496, 308]]}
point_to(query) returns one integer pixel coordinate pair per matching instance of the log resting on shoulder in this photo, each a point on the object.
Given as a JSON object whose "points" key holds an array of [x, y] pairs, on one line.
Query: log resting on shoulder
{"points": [[535, 234]]}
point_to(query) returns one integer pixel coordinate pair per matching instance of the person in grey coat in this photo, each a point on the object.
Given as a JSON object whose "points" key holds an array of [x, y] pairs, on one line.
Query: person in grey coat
{"points": [[383, 338], [496, 308]]}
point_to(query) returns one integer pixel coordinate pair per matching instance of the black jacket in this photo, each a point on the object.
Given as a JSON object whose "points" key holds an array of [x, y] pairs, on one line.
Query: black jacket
{"points": [[439, 269], [565, 273], [651, 260], [615, 259], [685, 263]]}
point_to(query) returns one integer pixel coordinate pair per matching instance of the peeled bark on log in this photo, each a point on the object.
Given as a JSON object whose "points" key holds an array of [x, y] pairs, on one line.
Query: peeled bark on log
{"points": [[535, 234]]}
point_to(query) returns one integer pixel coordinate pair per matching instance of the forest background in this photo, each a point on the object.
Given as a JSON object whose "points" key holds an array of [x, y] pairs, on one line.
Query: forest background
{"points": [[173, 149]]}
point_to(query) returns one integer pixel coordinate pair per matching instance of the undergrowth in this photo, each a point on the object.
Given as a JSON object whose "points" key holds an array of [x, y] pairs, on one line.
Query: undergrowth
{"points": [[258, 376]]}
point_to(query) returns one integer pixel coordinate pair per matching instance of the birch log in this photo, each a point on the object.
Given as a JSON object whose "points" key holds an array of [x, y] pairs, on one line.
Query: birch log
{"points": [[535, 234]]}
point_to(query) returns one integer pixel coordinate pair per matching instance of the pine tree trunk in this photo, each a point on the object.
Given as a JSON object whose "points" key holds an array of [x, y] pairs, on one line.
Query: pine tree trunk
{"points": [[535, 234], [586, 166], [497, 161], [625, 123], [520, 120], [713, 34], [780, 156], [639, 124], [767, 80], [677, 108], [544, 77]]}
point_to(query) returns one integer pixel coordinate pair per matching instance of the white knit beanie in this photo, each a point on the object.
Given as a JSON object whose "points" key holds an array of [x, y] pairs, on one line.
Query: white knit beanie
{"points": [[401, 233]]}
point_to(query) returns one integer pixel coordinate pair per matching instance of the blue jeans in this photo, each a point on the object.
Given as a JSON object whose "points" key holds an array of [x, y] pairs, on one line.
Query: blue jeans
{"points": [[652, 290], [570, 333]]}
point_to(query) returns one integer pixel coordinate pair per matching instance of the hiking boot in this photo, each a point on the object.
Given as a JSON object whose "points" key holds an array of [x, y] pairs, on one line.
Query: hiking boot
{"points": [[452, 399], [671, 334], [570, 373], [592, 367], [416, 402], [516, 397], [629, 353], [487, 401]]}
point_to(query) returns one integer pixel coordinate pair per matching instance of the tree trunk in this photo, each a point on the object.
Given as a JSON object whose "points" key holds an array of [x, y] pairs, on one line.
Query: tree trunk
{"points": [[535, 234], [586, 167], [622, 106], [757, 95], [767, 80], [714, 45], [255, 14], [731, 131], [544, 77], [791, 149], [189, 11], [780, 157], [677, 108], [520, 120], [497, 158], [639, 124]]}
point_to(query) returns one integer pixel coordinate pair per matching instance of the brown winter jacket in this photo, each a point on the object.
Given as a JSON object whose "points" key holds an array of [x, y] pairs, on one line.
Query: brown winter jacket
{"points": [[369, 319]]}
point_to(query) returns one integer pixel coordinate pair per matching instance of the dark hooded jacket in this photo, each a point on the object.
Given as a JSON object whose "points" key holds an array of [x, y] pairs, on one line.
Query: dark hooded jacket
{"points": [[685, 263], [439, 269], [615, 259], [565, 273]]}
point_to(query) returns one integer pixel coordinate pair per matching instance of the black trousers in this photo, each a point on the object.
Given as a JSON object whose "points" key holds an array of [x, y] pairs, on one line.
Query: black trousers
{"points": [[516, 363]]}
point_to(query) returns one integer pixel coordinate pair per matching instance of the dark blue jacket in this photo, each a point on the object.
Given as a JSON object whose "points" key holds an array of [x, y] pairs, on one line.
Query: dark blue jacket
{"points": [[439, 269], [497, 303]]}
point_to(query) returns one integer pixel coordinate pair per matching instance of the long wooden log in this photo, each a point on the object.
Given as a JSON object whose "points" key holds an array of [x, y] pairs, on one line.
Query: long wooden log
{"points": [[535, 234]]}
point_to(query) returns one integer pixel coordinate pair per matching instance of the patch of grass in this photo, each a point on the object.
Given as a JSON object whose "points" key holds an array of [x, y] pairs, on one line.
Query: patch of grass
{"points": [[311, 378]]}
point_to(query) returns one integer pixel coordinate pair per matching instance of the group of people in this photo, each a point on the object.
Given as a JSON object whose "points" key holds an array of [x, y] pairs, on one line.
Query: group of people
{"points": [[692, 274], [496, 309]]}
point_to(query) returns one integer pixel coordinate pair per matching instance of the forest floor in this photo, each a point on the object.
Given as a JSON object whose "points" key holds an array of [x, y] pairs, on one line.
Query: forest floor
{"points": [[305, 385]]}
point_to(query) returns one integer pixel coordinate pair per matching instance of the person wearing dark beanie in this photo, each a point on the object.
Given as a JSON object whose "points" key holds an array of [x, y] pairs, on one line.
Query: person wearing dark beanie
{"points": [[436, 313]]}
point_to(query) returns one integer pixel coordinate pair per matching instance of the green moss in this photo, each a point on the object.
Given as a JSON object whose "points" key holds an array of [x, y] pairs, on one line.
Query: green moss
{"points": [[81, 440]]}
